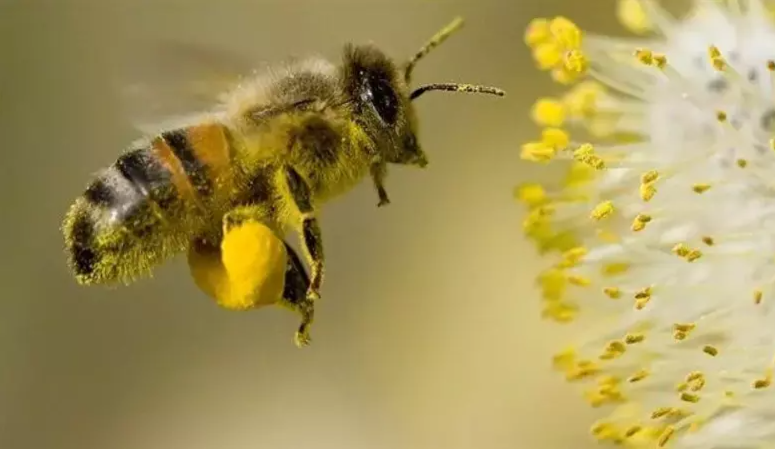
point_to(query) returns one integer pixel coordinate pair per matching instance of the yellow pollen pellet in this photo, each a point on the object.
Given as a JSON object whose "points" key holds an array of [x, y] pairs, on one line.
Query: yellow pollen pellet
{"points": [[634, 338], [742, 163], [690, 398], [638, 376], [612, 292], [707, 240], [721, 116], [701, 187], [647, 191], [757, 296], [602, 210], [710, 350], [665, 436]]}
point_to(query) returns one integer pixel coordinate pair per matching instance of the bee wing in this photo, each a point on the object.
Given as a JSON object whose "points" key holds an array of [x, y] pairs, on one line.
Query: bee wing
{"points": [[169, 79]]}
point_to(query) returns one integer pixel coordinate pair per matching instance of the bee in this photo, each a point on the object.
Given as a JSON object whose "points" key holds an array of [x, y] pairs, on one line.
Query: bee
{"points": [[279, 145]]}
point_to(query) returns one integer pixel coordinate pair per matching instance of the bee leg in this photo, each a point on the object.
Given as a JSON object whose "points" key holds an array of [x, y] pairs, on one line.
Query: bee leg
{"points": [[295, 296], [378, 173], [310, 230]]}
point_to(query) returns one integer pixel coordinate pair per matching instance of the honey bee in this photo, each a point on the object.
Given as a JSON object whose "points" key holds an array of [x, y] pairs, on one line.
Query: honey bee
{"points": [[276, 147]]}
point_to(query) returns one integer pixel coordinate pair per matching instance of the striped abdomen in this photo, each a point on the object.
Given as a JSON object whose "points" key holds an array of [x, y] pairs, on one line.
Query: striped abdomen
{"points": [[146, 206]]}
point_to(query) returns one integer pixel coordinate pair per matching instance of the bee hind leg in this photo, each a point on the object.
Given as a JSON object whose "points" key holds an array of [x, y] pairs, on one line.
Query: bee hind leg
{"points": [[295, 296], [310, 230]]}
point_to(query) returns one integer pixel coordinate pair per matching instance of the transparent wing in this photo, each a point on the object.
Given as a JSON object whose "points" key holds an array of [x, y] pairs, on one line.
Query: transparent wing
{"points": [[163, 80]]}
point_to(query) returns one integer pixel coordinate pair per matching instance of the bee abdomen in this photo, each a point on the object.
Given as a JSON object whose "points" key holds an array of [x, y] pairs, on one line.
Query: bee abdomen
{"points": [[124, 220]]}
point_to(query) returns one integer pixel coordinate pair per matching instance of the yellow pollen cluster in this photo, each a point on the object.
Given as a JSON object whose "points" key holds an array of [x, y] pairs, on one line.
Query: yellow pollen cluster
{"points": [[556, 47]]}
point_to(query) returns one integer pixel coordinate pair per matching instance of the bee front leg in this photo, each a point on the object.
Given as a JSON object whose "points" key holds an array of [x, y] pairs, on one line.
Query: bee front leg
{"points": [[378, 173], [310, 230]]}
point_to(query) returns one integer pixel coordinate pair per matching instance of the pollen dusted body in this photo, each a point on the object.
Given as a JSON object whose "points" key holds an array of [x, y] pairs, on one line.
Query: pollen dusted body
{"points": [[240, 177]]}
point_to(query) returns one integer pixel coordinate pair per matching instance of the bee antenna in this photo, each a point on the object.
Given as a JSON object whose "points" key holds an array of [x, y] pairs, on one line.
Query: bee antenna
{"points": [[434, 42], [456, 87]]}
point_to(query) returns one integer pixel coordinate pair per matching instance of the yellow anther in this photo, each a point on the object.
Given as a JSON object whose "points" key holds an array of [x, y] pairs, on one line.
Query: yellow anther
{"points": [[721, 116], [701, 187], [575, 61], [556, 138], [742, 163], [578, 280], [647, 191], [757, 296], [707, 240], [714, 52], [581, 100], [680, 387], [553, 285], [574, 256], [772, 144], [616, 347], [695, 381], [694, 255], [685, 327], [582, 369], [617, 268], [634, 338], [771, 65], [665, 436], [692, 376], [559, 312], [643, 293], [586, 154], [632, 431], [762, 383], [681, 250], [537, 32], [645, 56], [679, 335], [537, 152], [638, 376], [565, 359], [661, 412], [640, 221], [602, 210], [547, 55], [531, 194], [565, 32], [548, 112], [633, 16], [604, 431], [690, 398], [612, 292], [710, 350], [649, 177], [660, 61]]}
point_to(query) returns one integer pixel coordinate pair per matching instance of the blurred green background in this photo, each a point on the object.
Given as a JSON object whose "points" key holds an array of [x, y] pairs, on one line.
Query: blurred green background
{"points": [[428, 333]]}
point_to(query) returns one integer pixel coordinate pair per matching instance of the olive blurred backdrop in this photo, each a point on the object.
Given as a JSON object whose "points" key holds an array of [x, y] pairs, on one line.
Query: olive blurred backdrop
{"points": [[428, 333]]}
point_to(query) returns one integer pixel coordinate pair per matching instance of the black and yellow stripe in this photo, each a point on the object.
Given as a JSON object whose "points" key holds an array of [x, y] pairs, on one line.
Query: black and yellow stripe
{"points": [[147, 188]]}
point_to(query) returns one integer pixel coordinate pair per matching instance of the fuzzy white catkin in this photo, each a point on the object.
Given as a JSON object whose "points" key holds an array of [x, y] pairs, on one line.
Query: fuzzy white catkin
{"points": [[661, 242]]}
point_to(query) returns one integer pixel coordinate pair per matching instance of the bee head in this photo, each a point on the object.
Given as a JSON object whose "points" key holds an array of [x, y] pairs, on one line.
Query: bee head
{"points": [[383, 99]]}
